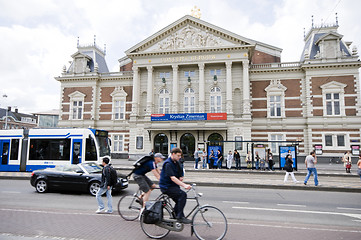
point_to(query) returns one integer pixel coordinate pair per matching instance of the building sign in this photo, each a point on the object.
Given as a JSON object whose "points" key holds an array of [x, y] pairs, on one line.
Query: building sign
{"points": [[189, 117], [188, 58], [355, 150], [318, 149], [288, 150]]}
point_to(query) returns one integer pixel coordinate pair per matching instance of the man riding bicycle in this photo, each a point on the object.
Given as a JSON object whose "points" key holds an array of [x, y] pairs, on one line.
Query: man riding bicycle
{"points": [[145, 184], [171, 179]]}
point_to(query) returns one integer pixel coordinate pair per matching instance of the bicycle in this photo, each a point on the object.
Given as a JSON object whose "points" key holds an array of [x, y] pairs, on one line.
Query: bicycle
{"points": [[208, 222], [129, 206]]}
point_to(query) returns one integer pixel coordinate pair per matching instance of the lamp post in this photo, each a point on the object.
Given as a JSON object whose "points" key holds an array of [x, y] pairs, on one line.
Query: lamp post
{"points": [[6, 117]]}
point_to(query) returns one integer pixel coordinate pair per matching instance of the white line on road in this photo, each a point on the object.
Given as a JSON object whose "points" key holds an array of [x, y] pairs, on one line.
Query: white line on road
{"points": [[290, 205], [59, 213], [235, 202], [301, 211], [354, 209], [9, 192]]}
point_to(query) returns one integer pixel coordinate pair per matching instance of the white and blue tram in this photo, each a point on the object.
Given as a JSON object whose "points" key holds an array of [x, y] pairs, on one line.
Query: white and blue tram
{"points": [[29, 150]]}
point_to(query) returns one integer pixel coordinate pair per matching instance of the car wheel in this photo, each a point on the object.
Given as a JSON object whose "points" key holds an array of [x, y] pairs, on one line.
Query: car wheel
{"points": [[41, 186], [94, 187]]}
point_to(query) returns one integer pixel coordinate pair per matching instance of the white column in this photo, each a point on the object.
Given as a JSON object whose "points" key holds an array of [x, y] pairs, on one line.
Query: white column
{"points": [[150, 90], [201, 89], [229, 93], [175, 103], [135, 102], [246, 89]]}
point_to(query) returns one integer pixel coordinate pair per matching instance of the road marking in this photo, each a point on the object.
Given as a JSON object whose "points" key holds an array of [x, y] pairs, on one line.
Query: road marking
{"points": [[301, 211], [59, 213], [290, 227], [290, 205], [235, 202], [355, 209], [10, 192]]}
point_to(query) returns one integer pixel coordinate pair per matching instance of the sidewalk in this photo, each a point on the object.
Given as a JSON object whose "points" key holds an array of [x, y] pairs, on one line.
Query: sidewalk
{"points": [[331, 177]]}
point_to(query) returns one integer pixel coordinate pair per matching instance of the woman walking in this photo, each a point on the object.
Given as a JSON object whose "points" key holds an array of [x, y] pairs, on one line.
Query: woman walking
{"points": [[347, 161], [270, 160], [289, 169]]}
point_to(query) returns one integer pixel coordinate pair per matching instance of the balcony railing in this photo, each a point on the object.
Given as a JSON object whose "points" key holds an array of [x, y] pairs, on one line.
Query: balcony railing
{"points": [[276, 65]]}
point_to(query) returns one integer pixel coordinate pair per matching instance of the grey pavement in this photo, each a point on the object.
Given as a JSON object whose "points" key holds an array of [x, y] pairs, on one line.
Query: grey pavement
{"points": [[332, 177]]}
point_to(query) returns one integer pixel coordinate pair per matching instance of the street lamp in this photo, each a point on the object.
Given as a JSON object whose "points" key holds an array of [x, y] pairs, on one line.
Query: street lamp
{"points": [[6, 117]]}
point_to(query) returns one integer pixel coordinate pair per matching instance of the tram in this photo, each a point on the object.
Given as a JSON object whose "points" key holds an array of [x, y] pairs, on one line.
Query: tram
{"points": [[32, 149]]}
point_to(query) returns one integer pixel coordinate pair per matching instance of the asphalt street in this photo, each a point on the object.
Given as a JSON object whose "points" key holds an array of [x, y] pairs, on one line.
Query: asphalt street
{"points": [[251, 213]]}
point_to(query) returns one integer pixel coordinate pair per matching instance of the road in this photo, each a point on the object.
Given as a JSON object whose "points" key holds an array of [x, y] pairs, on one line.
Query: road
{"points": [[251, 213]]}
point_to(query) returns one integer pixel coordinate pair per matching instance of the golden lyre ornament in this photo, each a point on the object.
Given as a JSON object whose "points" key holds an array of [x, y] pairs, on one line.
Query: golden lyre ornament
{"points": [[196, 12]]}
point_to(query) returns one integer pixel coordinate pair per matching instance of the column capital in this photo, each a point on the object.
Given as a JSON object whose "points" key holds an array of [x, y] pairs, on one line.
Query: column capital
{"points": [[245, 63], [135, 68], [150, 68], [228, 64], [175, 67], [201, 66]]}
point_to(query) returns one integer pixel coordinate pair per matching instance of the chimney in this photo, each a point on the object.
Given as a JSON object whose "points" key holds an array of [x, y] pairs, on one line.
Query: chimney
{"points": [[16, 110], [9, 109]]}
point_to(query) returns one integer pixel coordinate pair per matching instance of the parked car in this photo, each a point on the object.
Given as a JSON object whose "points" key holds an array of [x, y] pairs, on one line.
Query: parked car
{"points": [[83, 177]]}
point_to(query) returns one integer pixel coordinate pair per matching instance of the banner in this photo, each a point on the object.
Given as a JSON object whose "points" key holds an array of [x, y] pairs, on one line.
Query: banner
{"points": [[189, 117]]}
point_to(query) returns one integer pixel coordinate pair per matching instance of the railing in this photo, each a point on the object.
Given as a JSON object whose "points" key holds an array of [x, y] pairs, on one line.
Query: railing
{"points": [[276, 65]]}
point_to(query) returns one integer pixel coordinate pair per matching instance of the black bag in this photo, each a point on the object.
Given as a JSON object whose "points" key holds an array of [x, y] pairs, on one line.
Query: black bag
{"points": [[153, 212], [113, 176], [137, 164]]}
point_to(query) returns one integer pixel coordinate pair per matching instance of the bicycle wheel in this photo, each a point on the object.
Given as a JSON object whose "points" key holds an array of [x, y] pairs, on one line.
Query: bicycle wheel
{"points": [[209, 223], [128, 208], [153, 230]]}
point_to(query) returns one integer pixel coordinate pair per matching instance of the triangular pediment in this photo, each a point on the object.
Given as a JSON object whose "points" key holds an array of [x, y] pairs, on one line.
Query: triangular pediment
{"points": [[80, 55], [333, 85], [190, 33], [330, 36]]}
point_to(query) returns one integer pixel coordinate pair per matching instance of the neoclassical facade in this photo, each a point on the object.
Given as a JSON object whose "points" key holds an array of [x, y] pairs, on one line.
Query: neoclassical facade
{"points": [[193, 84]]}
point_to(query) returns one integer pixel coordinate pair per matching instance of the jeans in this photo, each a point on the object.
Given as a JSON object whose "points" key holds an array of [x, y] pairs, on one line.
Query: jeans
{"points": [[271, 165], [204, 162], [196, 163], [257, 165], [180, 199], [109, 198], [219, 164], [314, 173], [238, 163]]}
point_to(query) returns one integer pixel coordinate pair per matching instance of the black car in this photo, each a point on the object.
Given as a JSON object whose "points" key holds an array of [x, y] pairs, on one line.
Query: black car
{"points": [[84, 177]]}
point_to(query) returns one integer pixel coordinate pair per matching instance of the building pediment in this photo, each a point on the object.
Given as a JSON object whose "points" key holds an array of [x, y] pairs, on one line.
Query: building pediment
{"points": [[329, 36], [333, 85], [190, 33], [80, 55]]}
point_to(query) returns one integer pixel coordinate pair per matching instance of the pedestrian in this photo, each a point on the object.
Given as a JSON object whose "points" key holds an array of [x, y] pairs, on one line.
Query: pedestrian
{"points": [[229, 160], [262, 164], [257, 160], [151, 153], [249, 159], [270, 160], [196, 158], [211, 159], [171, 179], [220, 159], [347, 161], [237, 159], [204, 160], [311, 161], [289, 169], [359, 166], [105, 187]]}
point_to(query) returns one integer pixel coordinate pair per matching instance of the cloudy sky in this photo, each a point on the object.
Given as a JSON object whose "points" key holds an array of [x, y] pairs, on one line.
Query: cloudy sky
{"points": [[37, 37]]}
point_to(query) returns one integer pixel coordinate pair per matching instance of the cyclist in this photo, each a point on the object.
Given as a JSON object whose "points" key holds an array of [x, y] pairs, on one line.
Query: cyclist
{"points": [[145, 184], [171, 179]]}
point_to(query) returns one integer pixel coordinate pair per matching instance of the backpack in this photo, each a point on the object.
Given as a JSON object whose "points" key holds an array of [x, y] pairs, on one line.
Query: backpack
{"points": [[113, 176], [153, 212], [140, 162]]}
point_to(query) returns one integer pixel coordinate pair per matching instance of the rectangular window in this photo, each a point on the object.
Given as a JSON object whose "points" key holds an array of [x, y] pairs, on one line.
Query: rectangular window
{"points": [[77, 109], [275, 106], [139, 143], [189, 74], [164, 75], [328, 140], [119, 110], [90, 150], [14, 151], [118, 143], [49, 149], [213, 72], [238, 145], [333, 104], [340, 140], [274, 145]]}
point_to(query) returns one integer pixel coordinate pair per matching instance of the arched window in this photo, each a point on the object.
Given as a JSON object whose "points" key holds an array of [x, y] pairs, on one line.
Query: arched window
{"points": [[164, 101], [189, 99], [215, 100], [161, 143]]}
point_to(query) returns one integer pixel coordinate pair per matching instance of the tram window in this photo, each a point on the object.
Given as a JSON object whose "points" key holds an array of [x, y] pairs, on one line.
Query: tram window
{"points": [[90, 151], [14, 151], [49, 149]]}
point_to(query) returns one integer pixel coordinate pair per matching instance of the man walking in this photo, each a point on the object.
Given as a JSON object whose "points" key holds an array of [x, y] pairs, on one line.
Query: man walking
{"points": [[105, 187], [171, 179], [196, 158], [311, 161]]}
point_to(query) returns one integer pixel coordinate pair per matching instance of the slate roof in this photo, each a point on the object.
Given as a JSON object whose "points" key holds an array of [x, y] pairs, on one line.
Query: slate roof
{"points": [[16, 115]]}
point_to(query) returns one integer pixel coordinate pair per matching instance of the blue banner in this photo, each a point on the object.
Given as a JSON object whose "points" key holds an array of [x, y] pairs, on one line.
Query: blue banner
{"points": [[284, 151], [179, 117]]}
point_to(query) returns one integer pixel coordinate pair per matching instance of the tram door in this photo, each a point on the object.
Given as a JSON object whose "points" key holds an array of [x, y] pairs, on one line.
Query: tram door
{"points": [[4, 157], [77, 149]]}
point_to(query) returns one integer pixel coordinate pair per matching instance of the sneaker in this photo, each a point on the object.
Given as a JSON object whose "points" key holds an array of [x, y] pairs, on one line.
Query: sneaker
{"points": [[108, 211], [184, 220], [99, 210], [305, 183]]}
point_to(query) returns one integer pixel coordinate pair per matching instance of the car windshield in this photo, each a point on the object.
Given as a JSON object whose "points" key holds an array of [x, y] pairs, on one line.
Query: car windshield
{"points": [[92, 167]]}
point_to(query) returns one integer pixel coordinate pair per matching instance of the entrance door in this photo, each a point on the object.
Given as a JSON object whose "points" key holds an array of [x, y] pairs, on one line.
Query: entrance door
{"points": [[161, 144], [77, 147], [5, 153], [188, 146]]}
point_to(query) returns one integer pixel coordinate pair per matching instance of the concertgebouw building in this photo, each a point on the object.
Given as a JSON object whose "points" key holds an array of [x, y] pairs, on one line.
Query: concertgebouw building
{"points": [[193, 84]]}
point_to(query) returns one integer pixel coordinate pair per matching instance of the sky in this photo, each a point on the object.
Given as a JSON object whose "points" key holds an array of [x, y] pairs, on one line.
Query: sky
{"points": [[38, 37]]}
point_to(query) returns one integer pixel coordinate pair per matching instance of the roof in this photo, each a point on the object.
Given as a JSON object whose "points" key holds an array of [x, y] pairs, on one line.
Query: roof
{"points": [[95, 55], [15, 115]]}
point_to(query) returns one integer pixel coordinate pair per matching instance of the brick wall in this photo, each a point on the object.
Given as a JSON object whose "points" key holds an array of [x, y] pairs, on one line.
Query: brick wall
{"points": [[261, 57]]}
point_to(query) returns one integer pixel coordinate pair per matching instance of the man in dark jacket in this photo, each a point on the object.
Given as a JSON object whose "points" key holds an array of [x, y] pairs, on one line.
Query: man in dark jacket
{"points": [[105, 187]]}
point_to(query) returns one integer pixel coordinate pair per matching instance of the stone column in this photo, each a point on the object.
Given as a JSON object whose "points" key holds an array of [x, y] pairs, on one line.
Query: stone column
{"points": [[246, 89], [135, 101], [229, 93], [150, 91], [201, 105], [175, 103]]}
